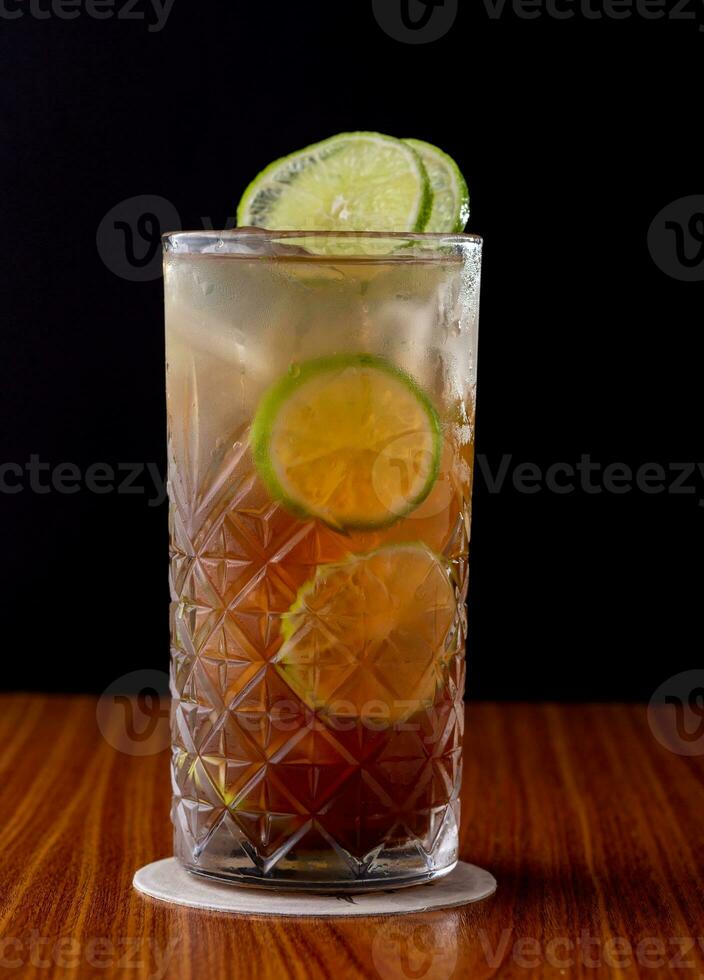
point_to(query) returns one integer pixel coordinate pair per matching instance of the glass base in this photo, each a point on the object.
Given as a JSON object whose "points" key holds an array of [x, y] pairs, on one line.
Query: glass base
{"points": [[347, 886], [400, 865]]}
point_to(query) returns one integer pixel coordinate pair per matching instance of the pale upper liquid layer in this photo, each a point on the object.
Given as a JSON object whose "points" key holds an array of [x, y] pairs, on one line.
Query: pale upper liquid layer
{"points": [[234, 326]]}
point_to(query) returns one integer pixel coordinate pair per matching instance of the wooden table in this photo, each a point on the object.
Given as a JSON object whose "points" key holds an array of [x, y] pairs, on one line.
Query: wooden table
{"points": [[593, 829]]}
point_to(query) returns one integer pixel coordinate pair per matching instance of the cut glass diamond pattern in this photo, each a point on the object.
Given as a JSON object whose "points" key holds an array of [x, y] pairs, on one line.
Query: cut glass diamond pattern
{"points": [[258, 778]]}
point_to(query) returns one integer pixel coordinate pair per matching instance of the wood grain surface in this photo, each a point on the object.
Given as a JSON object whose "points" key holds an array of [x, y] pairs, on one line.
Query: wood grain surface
{"points": [[592, 828]]}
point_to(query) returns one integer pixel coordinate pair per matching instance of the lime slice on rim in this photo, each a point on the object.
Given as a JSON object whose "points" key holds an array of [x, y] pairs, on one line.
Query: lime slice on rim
{"points": [[348, 439], [450, 209], [350, 182], [368, 631]]}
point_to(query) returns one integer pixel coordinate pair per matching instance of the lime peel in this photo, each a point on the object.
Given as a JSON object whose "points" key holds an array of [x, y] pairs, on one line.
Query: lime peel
{"points": [[450, 208]]}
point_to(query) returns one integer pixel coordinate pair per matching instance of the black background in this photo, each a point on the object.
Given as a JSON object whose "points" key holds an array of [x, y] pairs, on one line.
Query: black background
{"points": [[572, 134]]}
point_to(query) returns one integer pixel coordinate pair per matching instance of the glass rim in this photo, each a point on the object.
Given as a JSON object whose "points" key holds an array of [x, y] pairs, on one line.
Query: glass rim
{"points": [[196, 242]]}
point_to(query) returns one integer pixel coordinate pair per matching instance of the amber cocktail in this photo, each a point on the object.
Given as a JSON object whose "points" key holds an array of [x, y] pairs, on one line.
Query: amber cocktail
{"points": [[321, 392]]}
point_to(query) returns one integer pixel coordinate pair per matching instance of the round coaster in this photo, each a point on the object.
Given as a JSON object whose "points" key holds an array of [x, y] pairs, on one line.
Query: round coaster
{"points": [[168, 881]]}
